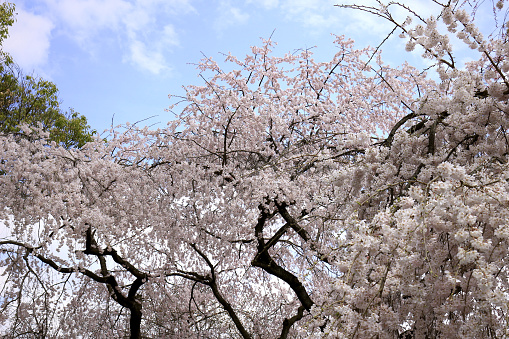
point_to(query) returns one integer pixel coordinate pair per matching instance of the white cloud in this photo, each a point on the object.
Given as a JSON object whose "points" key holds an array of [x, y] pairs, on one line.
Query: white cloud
{"points": [[88, 16], [29, 39], [229, 16], [152, 61], [169, 36], [152, 58]]}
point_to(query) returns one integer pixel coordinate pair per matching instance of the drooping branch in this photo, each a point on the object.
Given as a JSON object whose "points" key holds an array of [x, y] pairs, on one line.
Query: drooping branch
{"points": [[105, 277], [51, 263], [211, 281], [385, 14]]}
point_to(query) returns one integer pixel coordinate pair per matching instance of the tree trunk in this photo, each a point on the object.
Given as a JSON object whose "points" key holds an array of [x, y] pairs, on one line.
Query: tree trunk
{"points": [[135, 321]]}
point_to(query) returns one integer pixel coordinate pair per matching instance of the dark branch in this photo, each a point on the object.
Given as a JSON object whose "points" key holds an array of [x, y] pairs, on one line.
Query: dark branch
{"points": [[264, 261]]}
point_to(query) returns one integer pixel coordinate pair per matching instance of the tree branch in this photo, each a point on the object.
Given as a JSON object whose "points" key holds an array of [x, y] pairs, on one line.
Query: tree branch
{"points": [[264, 261]]}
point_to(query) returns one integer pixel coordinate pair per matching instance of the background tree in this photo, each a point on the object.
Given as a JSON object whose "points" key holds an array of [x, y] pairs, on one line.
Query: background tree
{"points": [[289, 198], [6, 19], [34, 101]]}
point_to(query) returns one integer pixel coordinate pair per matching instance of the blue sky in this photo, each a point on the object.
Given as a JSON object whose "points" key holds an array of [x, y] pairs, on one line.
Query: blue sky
{"points": [[122, 58]]}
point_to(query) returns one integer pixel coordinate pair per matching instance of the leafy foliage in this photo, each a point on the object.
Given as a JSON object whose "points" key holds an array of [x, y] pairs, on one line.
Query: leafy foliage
{"points": [[6, 19], [290, 197], [33, 101]]}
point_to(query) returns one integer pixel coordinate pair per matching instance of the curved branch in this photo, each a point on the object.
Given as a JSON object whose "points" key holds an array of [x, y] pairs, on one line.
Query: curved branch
{"points": [[264, 261], [288, 323], [388, 141]]}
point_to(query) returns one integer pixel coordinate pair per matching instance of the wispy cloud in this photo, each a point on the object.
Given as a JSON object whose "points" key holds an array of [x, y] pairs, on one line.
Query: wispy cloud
{"points": [[150, 60], [317, 14], [229, 15], [82, 20], [139, 27], [267, 4]]}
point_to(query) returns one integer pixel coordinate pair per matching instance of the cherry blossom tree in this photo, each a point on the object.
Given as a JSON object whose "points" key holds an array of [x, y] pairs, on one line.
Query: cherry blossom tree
{"points": [[289, 198]]}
